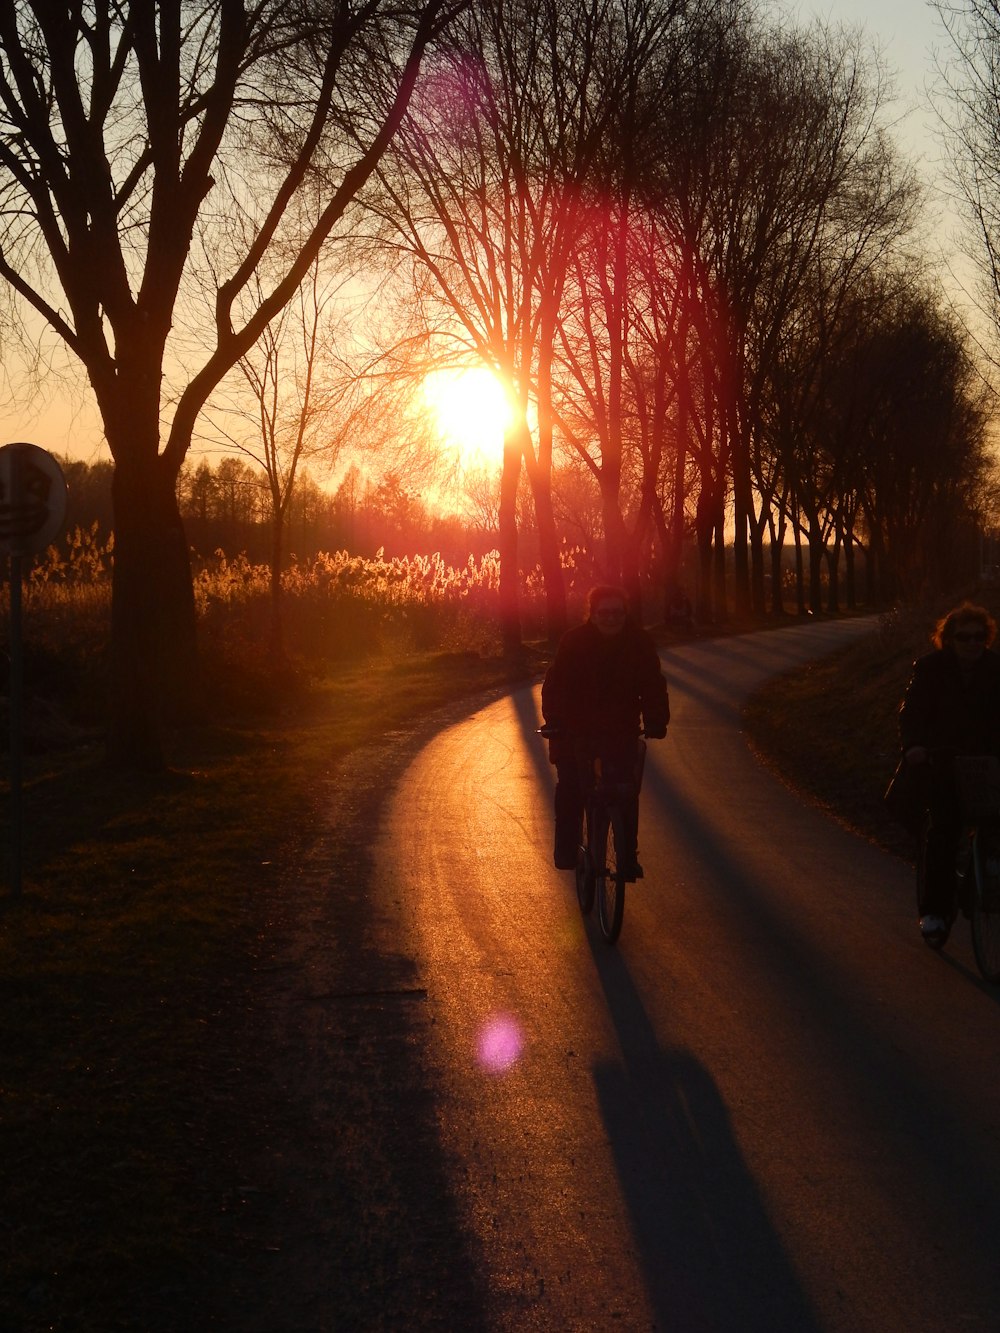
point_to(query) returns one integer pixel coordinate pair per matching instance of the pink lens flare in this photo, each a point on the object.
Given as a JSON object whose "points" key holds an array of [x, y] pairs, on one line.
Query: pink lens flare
{"points": [[500, 1043]]}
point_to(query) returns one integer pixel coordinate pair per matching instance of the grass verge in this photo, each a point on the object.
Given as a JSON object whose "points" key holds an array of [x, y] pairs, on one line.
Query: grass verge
{"points": [[830, 730]]}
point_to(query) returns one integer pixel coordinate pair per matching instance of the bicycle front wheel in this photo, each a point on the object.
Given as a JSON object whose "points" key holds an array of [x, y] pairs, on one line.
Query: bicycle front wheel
{"points": [[611, 877], [986, 904]]}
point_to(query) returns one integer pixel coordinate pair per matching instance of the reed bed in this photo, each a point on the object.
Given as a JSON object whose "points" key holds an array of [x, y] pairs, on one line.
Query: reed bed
{"points": [[335, 608]]}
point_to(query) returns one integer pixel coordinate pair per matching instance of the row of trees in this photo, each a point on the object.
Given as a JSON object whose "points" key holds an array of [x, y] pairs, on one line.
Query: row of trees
{"points": [[679, 233], [697, 273]]}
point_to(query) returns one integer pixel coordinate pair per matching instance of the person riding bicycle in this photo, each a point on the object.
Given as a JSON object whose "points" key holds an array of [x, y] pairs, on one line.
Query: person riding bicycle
{"points": [[951, 706], [603, 686]]}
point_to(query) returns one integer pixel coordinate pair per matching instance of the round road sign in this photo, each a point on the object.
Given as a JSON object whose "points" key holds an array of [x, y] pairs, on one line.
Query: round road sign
{"points": [[32, 499]]}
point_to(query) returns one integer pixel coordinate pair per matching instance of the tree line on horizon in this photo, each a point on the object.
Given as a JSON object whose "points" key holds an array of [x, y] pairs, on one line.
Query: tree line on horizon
{"points": [[226, 509]]}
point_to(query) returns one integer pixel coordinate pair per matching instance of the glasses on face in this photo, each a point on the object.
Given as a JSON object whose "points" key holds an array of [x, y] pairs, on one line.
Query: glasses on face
{"points": [[970, 636]]}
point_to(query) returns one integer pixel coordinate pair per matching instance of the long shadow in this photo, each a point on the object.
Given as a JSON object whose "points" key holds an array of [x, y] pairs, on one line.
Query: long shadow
{"points": [[709, 1254], [529, 719], [987, 988], [779, 648]]}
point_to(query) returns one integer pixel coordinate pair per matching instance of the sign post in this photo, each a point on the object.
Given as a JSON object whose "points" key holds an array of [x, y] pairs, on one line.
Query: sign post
{"points": [[32, 511]]}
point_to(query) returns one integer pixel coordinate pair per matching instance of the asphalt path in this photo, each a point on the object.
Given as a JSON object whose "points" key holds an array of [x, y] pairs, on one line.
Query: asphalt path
{"points": [[769, 1107]]}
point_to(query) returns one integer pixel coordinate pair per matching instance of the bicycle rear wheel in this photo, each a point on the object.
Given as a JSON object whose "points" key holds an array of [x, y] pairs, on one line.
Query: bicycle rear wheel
{"points": [[986, 904], [611, 877], [585, 867]]}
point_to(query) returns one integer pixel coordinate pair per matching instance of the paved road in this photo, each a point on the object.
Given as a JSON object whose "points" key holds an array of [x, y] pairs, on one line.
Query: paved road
{"points": [[769, 1108]]}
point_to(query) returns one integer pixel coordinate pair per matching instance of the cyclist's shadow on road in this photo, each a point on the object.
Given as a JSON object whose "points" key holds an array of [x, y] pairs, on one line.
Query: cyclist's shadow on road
{"points": [[709, 1254]]}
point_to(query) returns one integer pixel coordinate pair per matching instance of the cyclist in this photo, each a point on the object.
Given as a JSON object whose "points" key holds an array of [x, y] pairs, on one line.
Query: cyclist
{"points": [[951, 704], [604, 685]]}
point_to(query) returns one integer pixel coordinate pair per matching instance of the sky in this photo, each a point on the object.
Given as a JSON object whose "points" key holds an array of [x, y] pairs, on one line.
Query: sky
{"points": [[909, 33], [907, 30]]}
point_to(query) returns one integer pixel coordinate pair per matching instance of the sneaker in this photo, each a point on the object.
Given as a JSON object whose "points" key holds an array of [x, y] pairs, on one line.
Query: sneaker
{"points": [[633, 872], [934, 930]]}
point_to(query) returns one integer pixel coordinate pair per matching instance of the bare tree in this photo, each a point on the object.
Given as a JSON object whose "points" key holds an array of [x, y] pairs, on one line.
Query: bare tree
{"points": [[921, 460], [294, 396], [134, 132], [488, 196], [968, 103], [805, 176]]}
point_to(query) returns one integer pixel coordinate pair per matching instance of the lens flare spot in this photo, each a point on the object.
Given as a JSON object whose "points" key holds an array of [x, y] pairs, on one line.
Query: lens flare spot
{"points": [[500, 1044]]}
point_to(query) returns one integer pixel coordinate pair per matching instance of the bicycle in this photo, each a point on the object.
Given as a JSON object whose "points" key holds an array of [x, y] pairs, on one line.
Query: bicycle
{"points": [[607, 852], [977, 866]]}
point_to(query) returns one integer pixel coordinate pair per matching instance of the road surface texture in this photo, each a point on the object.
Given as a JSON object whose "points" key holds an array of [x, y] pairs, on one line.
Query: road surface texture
{"points": [[770, 1107]]}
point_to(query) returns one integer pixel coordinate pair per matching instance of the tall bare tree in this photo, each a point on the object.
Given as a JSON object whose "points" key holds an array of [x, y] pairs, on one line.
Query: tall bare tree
{"points": [[488, 194], [294, 399], [968, 103], [139, 138]]}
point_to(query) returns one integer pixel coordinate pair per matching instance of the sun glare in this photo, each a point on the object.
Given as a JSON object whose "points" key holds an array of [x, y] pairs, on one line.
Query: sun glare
{"points": [[471, 412]]}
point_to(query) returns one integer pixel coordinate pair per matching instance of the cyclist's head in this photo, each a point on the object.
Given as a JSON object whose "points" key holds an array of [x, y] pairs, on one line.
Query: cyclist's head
{"points": [[967, 628], [607, 607]]}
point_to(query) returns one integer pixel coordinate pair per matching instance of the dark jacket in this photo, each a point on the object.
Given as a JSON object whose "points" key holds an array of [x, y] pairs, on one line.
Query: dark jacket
{"points": [[604, 687], [945, 708]]}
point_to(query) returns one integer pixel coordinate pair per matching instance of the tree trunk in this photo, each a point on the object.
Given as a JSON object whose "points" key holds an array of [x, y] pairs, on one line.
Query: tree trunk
{"points": [[817, 550], [850, 568], [833, 572], [742, 511], [777, 524], [611, 521], [758, 592], [277, 553], [721, 598], [540, 480], [154, 664], [510, 598], [704, 528], [800, 572]]}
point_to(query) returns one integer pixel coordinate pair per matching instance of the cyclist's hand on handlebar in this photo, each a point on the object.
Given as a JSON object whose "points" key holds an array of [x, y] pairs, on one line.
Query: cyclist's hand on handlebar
{"points": [[916, 754]]}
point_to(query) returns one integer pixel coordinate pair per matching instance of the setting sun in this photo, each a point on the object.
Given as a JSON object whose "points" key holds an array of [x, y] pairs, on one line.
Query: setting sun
{"points": [[471, 412]]}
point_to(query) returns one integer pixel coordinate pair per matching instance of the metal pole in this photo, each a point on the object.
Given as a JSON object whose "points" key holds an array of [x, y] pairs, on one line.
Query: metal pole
{"points": [[16, 692]]}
